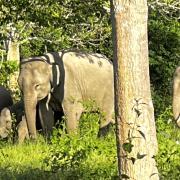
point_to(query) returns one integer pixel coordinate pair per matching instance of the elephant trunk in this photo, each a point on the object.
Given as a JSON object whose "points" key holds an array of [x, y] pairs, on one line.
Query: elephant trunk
{"points": [[30, 112], [176, 101]]}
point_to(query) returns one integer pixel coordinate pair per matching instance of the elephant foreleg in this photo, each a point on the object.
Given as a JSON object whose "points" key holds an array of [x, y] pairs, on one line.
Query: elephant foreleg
{"points": [[72, 112], [22, 130], [46, 116]]}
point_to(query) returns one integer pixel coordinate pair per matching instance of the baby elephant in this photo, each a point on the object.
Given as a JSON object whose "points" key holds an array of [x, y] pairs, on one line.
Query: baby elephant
{"points": [[6, 126], [6, 122]]}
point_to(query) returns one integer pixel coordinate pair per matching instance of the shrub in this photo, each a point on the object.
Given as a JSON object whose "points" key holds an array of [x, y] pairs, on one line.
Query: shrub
{"points": [[168, 136], [83, 155], [9, 72], [7, 68]]}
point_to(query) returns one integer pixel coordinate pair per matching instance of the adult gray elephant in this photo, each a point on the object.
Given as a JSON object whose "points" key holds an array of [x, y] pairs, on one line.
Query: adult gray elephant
{"points": [[5, 98], [66, 79], [176, 96]]}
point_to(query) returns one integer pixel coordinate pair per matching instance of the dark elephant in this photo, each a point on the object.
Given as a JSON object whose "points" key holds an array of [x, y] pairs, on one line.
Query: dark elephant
{"points": [[5, 98]]}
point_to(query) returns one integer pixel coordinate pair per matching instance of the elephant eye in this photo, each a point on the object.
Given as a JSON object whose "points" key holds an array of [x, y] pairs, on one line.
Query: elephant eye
{"points": [[37, 86]]}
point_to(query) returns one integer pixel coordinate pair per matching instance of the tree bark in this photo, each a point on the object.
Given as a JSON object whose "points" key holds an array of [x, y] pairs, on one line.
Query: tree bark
{"points": [[13, 54], [136, 132], [13, 51]]}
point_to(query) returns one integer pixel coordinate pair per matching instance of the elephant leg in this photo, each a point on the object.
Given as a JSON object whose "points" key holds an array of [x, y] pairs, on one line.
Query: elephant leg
{"points": [[108, 110], [73, 113], [46, 116], [22, 131], [107, 121]]}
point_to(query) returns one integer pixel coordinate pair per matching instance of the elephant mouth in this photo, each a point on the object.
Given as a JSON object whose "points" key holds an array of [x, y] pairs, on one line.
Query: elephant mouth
{"points": [[40, 97], [4, 133]]}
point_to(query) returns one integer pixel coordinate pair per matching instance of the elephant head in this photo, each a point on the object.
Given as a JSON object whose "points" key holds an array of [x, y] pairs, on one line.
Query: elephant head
{"points": [[35, 83], [176, 96], [5, 123]]}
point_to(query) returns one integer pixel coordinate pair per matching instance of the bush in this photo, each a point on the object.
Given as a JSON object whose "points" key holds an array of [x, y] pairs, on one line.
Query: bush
{"points": [[168, 136], [7, 68], [164, 53], [84, 155]]}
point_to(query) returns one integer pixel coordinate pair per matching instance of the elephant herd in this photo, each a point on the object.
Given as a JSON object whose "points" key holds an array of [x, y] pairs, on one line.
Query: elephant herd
{"points": [[57, 84]]}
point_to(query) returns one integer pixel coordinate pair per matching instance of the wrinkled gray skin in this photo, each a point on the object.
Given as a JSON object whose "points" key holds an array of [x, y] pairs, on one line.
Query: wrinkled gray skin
{"points": [[5, 114], [6, 126], [18, 110], [5, 122], [83, 77], [22, 130], [176, 96], [5, 98]]}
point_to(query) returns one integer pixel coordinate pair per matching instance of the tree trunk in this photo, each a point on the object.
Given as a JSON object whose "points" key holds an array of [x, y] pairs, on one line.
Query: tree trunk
{"points": [[13, 51], [136, 132], [13, 54]]}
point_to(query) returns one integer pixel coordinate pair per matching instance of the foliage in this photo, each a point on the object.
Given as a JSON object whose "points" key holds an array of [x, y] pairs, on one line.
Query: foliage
{"points": [[48, 25], [23, 161], [7, 69], [164, 51], [55, 25], [168, 157], [84, 155], [72, 155]]}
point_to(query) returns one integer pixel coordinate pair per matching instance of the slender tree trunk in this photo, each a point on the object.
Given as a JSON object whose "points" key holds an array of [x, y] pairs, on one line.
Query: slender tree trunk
{"points": [[136, 132], [13, 51], [13, 54]]}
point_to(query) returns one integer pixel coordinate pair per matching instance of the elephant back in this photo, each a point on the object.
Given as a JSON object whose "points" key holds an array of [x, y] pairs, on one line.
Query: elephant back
{"points": [[5, 98]]}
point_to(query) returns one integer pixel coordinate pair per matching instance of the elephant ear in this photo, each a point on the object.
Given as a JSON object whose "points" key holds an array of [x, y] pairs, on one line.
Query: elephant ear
{"points": [[55, 79]]}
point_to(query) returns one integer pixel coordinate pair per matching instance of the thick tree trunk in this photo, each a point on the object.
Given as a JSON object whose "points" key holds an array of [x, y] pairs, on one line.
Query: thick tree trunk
{"points": [[13, 51], [136, 132]]}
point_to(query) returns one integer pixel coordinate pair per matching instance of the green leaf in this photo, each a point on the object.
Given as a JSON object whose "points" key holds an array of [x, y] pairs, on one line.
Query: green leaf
{"points": [[142, 134], [133, 159], [128, 147], [140, 156], [124, 176]]}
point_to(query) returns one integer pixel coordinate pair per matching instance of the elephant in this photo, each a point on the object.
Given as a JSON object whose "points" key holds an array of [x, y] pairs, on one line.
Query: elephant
{"points": [[6, 126], [22, 130], [6, 121], [5, 98], [176, 96], [66, 79]]}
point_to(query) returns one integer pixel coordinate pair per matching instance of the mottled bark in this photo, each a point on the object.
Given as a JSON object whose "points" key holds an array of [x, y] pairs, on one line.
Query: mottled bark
{"points": [[13, 53], [134, 111]]}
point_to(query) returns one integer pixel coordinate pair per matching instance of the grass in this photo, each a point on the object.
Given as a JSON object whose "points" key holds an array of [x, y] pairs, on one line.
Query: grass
{"points": [[35, 160], [84, 156], [23, 161]]}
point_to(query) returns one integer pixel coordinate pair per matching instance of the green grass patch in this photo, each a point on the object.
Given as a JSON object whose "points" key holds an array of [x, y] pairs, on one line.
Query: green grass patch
{"points": [[84, 155]]}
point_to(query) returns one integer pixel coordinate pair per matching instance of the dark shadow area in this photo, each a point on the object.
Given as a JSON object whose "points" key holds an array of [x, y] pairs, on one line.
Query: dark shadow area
{"points": [[27, 173]]}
